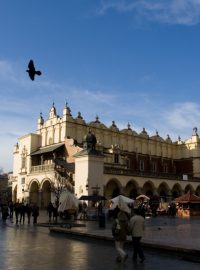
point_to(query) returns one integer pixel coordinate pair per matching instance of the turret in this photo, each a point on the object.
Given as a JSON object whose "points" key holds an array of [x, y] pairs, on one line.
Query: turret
{"points": [[40, 121], [52, 112]]}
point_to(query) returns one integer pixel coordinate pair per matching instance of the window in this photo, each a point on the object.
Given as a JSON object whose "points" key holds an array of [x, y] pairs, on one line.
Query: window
{"points": [[128, 163], [116, 158], [141, 165], [23, 158], [23, 181], [165, 168], [154, 167], [23, 162]]}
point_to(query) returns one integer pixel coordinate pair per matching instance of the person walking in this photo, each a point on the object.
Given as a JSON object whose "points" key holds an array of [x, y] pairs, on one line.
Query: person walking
{"points": [[55, 213], [35, 213], [22, 212], [28, 212], [16, 210], [4, 210], [136, 229], [119, 232], [50, 210], [84, 211], [11, 209]]}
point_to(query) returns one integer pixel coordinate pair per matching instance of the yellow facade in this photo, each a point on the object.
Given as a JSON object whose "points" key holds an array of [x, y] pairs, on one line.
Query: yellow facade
{"points": [[33, 176]]}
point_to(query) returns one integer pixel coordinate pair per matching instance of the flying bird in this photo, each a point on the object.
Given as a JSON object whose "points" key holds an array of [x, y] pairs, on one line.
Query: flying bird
{"points": [[31, 70]]}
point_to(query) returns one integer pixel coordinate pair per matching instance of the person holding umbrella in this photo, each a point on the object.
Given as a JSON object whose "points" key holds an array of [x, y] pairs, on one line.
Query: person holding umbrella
{"points": [[120, 230]]}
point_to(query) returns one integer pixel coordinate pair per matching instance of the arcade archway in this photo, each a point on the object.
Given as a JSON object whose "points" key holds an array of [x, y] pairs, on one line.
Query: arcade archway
{"points": [[46, 194], [112, 189], [34, 193]]}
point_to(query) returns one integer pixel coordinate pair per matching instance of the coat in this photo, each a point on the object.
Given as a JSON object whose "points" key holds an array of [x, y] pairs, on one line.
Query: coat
{"points": [[123, 222], [136, 226]]}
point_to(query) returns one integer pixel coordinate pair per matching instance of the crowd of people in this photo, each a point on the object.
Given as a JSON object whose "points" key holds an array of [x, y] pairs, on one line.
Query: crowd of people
{"points": [[20, 212], [124, 223]]}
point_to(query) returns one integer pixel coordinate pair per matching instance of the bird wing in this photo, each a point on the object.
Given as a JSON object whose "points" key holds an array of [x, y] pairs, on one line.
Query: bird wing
{"points": [[31, 65], [38, 72]]}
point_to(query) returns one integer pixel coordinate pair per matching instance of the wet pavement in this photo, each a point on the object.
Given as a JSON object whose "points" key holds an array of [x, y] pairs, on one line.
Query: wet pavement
{"points": [[175, 234], [28, 247]]}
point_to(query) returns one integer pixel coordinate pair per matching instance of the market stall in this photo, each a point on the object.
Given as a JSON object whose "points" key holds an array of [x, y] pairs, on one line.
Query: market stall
{"points": [[188, 205]]}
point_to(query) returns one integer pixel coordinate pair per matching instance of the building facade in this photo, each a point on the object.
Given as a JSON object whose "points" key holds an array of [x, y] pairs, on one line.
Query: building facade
{"points": [[89, 158]]}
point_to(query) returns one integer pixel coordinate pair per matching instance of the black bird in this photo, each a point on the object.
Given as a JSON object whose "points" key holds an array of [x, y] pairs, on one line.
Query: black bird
{"points": [[31, 71]]}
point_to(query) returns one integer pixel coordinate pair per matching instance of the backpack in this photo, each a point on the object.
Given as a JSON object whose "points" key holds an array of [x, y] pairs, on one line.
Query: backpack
{"points": [[117, 228]]}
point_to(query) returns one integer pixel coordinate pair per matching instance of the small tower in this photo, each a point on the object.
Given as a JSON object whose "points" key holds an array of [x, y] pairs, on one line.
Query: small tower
{"points": [[40, 121], [67, 113], [52, 112], [66, 110]]}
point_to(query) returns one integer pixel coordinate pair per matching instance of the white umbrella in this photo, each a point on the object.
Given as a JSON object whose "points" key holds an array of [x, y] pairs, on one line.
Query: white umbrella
{"points": [[121, 201], [142, 196], [69, 202]]}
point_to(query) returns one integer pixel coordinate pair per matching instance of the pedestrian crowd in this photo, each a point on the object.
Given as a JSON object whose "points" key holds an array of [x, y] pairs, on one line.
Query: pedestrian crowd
{"points": [[19, 212], [124, 223]]}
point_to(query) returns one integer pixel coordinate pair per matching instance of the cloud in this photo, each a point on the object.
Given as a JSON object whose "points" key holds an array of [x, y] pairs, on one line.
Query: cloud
{"points": [[182, 12], [6, 153], [6, 70], [183, 115]]}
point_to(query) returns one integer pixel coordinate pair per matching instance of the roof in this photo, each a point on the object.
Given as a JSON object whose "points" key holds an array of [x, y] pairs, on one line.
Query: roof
{"points": [[188, 197], [68, 166], [47, 149]]}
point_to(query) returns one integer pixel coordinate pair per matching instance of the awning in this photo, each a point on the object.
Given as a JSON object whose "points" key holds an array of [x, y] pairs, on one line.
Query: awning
{"points": [[47, 149], [68, 166], [188, 198]]}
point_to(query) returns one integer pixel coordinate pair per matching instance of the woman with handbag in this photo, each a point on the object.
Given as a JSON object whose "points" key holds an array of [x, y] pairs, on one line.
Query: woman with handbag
{"points": [[119, 232]]}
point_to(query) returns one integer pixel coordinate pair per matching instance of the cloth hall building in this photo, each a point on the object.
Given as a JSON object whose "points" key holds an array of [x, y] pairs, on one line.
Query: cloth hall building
{"points": [[90, 158]]}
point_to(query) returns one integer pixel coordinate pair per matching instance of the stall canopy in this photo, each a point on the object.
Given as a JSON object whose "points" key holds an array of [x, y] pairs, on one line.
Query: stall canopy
{"points": [[142, 197], [121, 201], [188, 198], [93, 198], [69, 202]]}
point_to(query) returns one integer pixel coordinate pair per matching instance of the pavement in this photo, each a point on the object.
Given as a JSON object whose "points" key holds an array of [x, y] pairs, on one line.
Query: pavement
{"points": [[178, 236]]}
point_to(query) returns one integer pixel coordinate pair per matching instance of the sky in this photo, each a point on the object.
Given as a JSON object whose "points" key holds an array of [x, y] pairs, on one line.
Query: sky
{"points": [[131, 61]]}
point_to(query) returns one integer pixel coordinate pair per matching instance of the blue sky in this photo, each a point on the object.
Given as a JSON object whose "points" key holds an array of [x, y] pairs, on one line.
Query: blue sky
{"points": [[130, 61]]}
